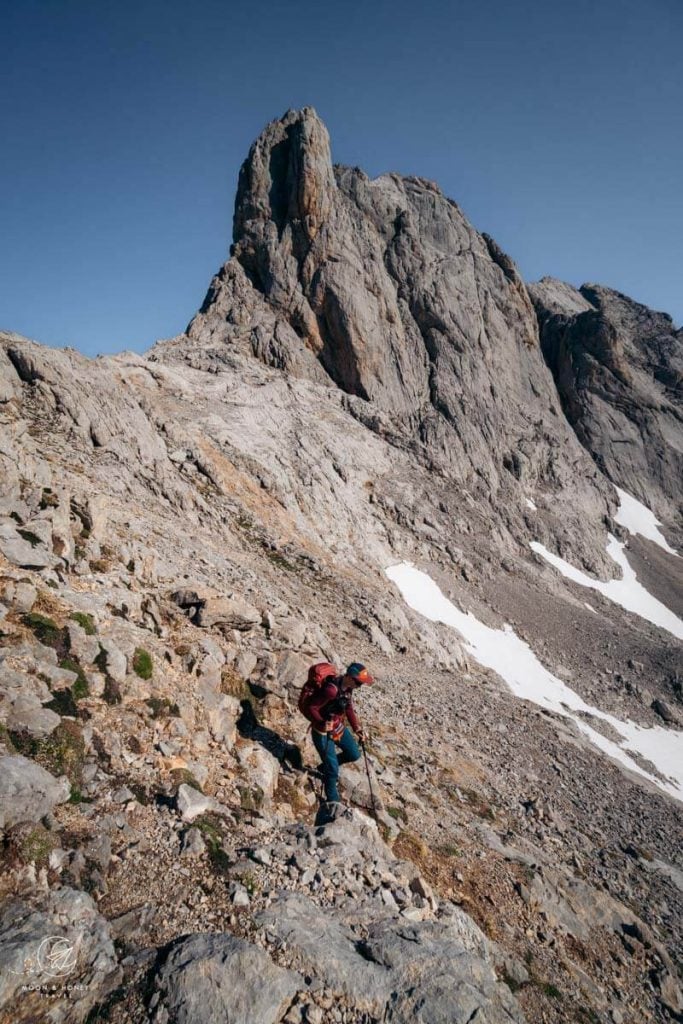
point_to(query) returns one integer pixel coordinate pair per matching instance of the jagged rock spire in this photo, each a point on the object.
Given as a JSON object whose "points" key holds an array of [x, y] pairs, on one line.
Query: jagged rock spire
{"points": [[384, 288]]}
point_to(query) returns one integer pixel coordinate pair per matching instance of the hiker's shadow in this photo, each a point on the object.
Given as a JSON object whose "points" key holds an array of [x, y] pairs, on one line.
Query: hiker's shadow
{"points": [[288, 754]]}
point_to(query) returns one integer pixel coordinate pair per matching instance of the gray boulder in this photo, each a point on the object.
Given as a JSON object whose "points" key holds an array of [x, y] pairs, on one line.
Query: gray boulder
{"points": [[27, 791], [26, 553], [191, 803], [214, 978], [327, 949], [26, 714], [58, 939], [432, 972], [84, 647], [115, 659], [231, 612], [20, 594], [661, 708]]}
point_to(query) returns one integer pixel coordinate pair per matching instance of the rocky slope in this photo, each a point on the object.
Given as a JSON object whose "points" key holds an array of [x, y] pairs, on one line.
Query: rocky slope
{"points": [[182, 534]]}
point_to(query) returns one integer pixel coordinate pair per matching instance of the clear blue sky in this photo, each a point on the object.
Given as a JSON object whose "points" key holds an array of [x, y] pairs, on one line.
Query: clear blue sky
{"points": [[556, 124]]}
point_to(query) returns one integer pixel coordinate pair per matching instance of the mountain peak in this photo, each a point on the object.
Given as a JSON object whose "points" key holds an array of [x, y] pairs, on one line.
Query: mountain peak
{"points": [[286, 179]]}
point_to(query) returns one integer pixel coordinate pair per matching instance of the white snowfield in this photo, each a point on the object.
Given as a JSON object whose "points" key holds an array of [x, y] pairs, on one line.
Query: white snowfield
{"points": [[627, 591], [638, 519], [504, 652]]}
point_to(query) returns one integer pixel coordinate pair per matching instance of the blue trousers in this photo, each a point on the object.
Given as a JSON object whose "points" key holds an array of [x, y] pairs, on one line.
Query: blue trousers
{"points": [[327, 748]]}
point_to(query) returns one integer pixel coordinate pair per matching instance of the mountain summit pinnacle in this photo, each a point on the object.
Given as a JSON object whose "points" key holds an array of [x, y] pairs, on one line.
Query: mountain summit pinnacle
{"points": [[382, 288]]}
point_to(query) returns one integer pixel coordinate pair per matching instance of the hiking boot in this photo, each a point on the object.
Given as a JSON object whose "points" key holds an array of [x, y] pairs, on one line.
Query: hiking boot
{"points": [[328, 811]]}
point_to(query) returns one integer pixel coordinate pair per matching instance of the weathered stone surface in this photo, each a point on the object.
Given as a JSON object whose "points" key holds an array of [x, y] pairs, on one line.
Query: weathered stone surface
{"points": [[192, 844], [191, 803], [432, 972], [9, 379], [213, 978], [22, 552], [20, 594], [317, 937], [618, 367], [114, 659], [222, 712], [27, 791], [664, 711], [401, 302], [26, 714], [84, 647], [263, 768], [231, 612], [57, 940]]}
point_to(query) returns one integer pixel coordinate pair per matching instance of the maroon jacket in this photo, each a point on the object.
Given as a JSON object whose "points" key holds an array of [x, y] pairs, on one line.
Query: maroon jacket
{"points": [[329, 704]]}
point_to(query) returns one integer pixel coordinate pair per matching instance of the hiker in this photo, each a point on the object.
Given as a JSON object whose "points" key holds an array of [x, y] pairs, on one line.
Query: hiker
{"points": [[326, 700]]}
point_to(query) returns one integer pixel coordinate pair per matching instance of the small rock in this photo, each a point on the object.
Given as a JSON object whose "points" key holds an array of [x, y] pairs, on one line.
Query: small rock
{"points": [[123, 795], [230, 612], [262, 856], [115, 660], [27, 791], [192, 844], [515, 970], [84, 647], [20, 594], [191, 803], [662, 709], [240, 897]]}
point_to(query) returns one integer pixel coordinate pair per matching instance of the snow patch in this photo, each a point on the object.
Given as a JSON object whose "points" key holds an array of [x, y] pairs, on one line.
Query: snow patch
{"points": [[638, 519], [504, 652], [529, 504], [590, 607], [627, 591]]}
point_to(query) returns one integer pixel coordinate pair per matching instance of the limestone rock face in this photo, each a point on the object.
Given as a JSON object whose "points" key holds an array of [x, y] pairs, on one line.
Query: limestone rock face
{"points": [[417, 972], [384, 288], [212, 978], [619, 372], [58, 940]]}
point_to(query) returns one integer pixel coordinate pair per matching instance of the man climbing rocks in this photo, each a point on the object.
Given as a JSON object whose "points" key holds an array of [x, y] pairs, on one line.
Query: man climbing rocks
{"points": [[326, 700]]}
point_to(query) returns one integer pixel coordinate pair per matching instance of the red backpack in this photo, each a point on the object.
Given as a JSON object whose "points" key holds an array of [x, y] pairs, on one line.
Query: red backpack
{"points": [[318, 675]]}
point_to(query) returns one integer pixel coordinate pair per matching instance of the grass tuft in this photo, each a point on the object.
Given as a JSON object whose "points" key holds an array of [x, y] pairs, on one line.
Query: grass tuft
{"points": [[183, 776], [85, 621], [80, 687], [60, 753], [46, 631], [142, 663], [162, 707]]}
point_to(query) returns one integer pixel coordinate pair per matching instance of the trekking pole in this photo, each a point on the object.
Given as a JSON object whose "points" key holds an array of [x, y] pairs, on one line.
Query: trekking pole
{"points": [[367, 769]]}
